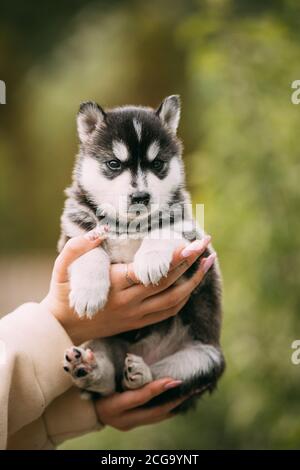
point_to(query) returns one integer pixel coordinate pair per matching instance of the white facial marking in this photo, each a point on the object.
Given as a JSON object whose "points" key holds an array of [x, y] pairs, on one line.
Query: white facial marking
{"points": [[105, 191], [115, 192], [138, 128], [153, 150], [120, 150], [140, 180], [162, 188]]}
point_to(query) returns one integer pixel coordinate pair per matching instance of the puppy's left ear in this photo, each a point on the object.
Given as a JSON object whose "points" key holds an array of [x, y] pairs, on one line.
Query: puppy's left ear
{"points": [[169, 112], [90, 118]]}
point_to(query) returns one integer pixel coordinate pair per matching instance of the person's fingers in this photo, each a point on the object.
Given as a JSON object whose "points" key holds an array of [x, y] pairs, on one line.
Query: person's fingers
{"points": [[175, 294], [134, 398], [179, 267], [125, 424], [151, 318], [130, 422], [142, 416], [123, 276], [186, 251], [158, 420], [161, 418], [73, 249]]}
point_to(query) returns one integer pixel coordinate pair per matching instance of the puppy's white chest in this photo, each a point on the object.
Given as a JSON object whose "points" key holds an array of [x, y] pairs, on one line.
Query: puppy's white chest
{"points": [[122, 250]]}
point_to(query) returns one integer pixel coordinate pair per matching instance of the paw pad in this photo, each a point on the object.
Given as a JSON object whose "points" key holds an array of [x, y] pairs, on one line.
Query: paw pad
{"points": [[79, 362]]}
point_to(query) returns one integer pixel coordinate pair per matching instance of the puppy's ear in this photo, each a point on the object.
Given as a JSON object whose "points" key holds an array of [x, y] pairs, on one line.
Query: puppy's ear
{"points": [[90, 117], [169, 112]]}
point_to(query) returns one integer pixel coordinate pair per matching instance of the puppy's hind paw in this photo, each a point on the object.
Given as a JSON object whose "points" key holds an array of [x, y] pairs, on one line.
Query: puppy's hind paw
{"points": [[136, 372]]}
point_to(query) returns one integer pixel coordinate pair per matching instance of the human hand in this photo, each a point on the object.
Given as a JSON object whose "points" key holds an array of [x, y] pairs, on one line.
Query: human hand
{"points": [[130, 305], [124, 411]]}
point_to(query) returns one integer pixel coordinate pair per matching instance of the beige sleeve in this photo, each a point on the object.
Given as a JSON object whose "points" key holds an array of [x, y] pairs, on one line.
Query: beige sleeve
{"points": [[66, 417], [32, 343]]}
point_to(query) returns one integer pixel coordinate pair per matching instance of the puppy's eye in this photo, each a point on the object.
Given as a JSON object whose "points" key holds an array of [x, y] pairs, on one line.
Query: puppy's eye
{"points": [[114, 165], [158, 164]]}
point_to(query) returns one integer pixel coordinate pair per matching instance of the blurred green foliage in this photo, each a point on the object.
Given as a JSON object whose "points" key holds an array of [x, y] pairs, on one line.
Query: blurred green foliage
{"points": [[233, 63]]}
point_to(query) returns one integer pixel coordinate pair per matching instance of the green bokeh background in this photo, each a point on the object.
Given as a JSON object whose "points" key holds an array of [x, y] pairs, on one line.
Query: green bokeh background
{"points": [[233, 63]]}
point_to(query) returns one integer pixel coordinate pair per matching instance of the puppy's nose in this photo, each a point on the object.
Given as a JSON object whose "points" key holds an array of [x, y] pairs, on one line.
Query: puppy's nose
{"points": [[140, 197]]}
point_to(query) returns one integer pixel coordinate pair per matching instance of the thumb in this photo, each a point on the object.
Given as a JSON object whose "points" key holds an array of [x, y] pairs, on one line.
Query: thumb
{"points": [[73, 249]]}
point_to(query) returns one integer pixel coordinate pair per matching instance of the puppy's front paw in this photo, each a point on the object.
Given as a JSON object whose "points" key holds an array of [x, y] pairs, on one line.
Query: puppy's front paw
{"points": [[151, 266], [88, 296], [136, 372]]}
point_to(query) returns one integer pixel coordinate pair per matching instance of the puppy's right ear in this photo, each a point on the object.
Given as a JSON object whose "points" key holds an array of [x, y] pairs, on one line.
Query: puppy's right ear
{"points": [[90, 118]]}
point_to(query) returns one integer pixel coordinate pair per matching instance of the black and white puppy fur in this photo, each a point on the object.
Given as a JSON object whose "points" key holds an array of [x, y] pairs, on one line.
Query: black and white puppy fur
{"points": [[132, 153]]}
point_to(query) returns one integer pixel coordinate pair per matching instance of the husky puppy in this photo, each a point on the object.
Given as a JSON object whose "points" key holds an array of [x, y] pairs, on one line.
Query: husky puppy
{"points": [[130, 157]]}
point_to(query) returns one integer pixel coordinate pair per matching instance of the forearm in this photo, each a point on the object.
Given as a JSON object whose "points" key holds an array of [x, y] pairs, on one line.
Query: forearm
{"points": [[66, 417], [33, 343]]}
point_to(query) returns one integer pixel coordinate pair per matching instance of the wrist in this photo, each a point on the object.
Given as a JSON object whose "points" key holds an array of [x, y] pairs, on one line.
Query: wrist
{"points": [[68, 320], [97, 411], [78, 337], [76, 328]]}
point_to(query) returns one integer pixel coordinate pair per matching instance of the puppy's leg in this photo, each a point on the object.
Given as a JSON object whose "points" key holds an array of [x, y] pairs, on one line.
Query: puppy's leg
{"points": [[90, 370], [195, 364], [89, 282]]}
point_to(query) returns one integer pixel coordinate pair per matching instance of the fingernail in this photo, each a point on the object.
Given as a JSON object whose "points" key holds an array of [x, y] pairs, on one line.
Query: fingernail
{"points": [[97, 233], [173, 384], [196, 247], [92, 235], [207, 263]]}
